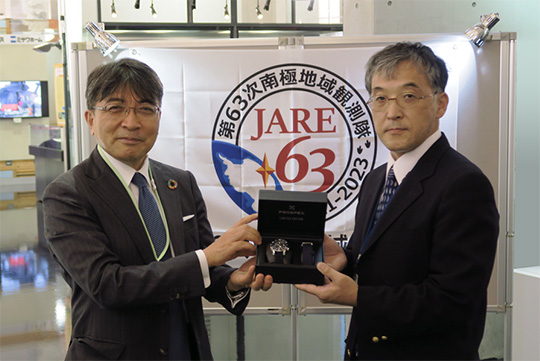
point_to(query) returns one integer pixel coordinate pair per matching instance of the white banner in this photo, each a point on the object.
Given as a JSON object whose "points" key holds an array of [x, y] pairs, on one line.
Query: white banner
{"points": [[244, 120]]}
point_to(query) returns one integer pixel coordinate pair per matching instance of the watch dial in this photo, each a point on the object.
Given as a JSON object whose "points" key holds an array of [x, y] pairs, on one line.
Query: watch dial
{"points": [[279, 245]]}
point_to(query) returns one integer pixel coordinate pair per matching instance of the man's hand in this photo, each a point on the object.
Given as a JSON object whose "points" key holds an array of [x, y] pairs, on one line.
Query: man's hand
{"points": [[245, 277], [234, 243], [334, 254], [338, 288]]}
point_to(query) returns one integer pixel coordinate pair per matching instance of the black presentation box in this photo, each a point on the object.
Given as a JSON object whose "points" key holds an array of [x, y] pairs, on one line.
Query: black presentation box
{"points": [[298, 219]]}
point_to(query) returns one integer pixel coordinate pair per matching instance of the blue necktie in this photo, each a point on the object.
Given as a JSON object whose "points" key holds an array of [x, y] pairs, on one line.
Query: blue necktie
{"points": [[178, 338], [389, 190], [150, 213]]}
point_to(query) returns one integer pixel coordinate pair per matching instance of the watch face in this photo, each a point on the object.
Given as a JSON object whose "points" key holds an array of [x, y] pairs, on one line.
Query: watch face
{"points": [[279, 245]]}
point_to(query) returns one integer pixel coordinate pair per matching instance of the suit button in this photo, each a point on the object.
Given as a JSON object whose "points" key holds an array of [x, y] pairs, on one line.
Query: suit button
{"points": [[384, 338], [349, 353], [375, 339], [163, 351]]}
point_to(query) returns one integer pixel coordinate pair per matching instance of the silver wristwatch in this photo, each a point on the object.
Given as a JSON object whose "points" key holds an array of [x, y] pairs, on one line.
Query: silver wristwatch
{"points": [[279, 248]]}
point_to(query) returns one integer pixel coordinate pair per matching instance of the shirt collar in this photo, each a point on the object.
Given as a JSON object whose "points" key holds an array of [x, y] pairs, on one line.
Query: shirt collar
{"points": [[125, 171], [407, 161]]}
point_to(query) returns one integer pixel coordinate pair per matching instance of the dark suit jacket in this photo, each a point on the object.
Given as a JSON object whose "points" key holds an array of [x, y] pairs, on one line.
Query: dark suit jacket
{"points": [[120, 293], [424, 273]]}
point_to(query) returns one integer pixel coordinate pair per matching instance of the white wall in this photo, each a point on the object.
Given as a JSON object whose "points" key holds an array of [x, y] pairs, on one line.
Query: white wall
{"points": [[526, 314], [455, 16]]}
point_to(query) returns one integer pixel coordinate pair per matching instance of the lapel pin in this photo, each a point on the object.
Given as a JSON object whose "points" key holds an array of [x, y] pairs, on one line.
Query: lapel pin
{"points": [[172, 184]]}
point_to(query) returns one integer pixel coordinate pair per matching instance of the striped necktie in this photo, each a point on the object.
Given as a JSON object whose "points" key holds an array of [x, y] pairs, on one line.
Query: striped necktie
{"points": [[389, 190], [150, 213]]}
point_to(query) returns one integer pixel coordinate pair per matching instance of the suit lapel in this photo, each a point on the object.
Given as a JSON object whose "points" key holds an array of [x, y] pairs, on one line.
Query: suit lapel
{"points": [[407, 193], [171, 200], [371, 189], [111, 191], [409, 190]]}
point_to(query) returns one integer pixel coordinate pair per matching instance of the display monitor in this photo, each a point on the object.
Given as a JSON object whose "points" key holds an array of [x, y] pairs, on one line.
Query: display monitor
{"points": [[24, 99]]}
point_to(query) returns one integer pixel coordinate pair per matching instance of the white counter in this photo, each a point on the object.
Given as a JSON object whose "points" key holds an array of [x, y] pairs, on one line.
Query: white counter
{"points": [[526, 314]]}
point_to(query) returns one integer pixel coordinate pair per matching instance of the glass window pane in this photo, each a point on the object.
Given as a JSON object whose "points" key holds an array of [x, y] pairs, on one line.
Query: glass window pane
{"points": [[322, 12], [250, 337], [167, 12], [288, 33], [270, 337], [322, 337], [212, 11], [279, 11]]}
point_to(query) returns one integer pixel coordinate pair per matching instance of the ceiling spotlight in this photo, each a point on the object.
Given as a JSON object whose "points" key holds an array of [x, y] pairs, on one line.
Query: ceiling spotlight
{"points": [[45, 47], [113, 10], [154, 12], [267, 5], [479, 32], [137, 4], [310, 6], [106, 42], [258, 11], [226, 12]]}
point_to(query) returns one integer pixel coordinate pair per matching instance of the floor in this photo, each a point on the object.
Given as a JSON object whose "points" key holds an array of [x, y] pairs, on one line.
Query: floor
{"points": [[34, 306]]}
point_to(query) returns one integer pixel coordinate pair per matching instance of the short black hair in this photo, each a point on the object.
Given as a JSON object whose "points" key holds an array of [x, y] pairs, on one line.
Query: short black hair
{"points": [[126, 73]]}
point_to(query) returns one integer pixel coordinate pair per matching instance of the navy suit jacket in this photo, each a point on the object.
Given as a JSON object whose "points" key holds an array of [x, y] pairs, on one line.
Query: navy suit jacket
{"points": [[425, 269], [121, 294]]}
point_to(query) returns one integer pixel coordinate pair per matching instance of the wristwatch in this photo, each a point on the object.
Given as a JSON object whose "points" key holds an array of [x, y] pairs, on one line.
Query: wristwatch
{"points": [[307, 256], [279, 248]]}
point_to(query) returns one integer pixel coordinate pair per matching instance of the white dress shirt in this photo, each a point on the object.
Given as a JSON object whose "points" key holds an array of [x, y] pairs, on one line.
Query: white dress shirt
{"points": [[407, 161]]}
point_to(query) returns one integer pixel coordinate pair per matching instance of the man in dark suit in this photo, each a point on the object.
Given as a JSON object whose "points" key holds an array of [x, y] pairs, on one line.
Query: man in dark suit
{"points": [[135, 298], [417, 274]]}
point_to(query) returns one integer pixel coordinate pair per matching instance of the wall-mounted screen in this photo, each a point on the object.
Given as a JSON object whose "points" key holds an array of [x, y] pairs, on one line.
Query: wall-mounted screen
{"points": [[24, 99]]}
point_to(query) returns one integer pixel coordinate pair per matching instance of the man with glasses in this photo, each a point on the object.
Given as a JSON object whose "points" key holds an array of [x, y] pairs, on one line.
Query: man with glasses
{"points": [[132, 236], [418, 264]]}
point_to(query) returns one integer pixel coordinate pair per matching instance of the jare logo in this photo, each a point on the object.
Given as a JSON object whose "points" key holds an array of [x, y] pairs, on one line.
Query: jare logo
{"points": [[294, 127]]}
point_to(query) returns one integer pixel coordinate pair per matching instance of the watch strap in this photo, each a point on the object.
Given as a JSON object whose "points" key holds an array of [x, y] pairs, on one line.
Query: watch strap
{"points": [[278, 256], [307, 256]]}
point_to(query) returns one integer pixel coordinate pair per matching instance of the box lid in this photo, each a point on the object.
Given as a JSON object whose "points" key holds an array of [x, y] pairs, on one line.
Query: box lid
{"points": [[292, 213]]}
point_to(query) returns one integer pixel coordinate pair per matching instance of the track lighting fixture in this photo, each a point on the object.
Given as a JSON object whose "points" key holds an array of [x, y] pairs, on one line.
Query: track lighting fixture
{"points": [[258, 11], [310, 6], [154, 12], [113, 10], [45, 47], [137, 4], [104, 41], [479, 32], [226, 12], [267, 5]]}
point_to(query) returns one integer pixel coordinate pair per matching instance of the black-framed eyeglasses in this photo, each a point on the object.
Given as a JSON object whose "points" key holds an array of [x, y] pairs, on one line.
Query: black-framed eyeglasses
{"points": [[405, 100], [120, 111]]}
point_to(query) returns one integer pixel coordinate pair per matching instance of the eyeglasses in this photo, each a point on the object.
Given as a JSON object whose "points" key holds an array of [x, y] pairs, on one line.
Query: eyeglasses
{"points": [[404, 100], [120, 111]]}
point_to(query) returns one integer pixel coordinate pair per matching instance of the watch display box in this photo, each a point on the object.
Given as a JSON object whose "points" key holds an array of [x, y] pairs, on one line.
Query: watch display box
{"points": [[291, 224]]}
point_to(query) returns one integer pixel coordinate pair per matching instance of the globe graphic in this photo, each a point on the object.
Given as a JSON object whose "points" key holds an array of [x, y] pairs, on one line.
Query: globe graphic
{"points": [[225, 155]]}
